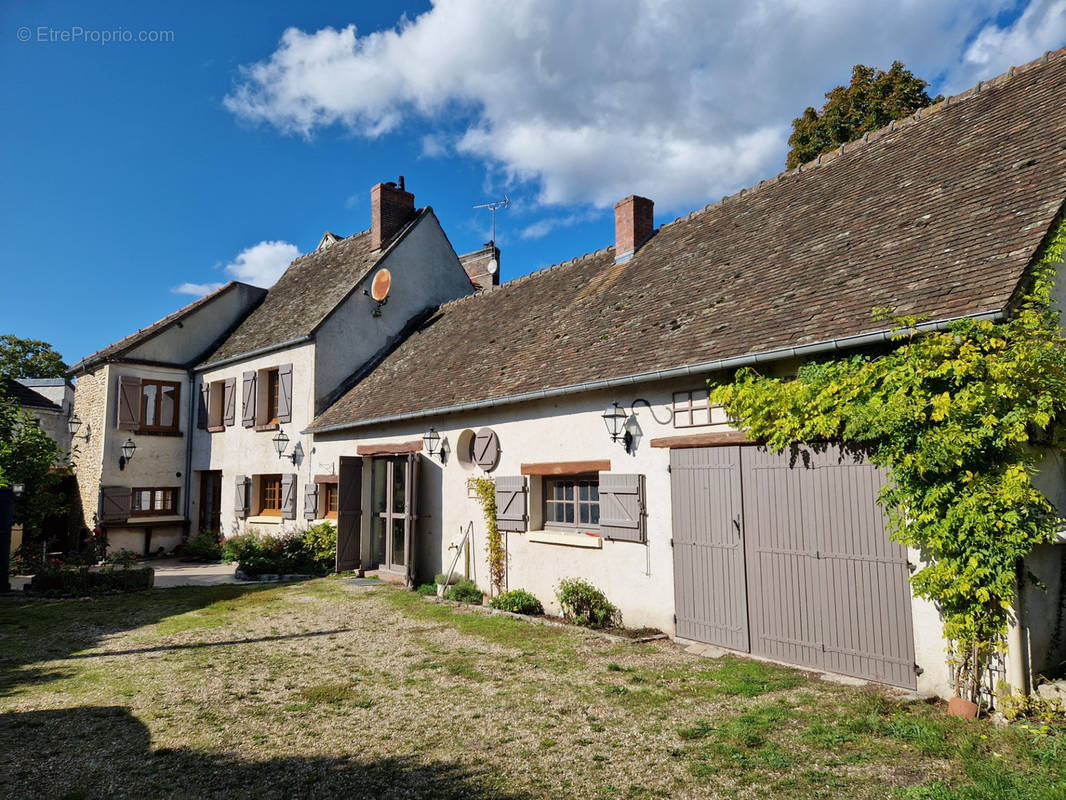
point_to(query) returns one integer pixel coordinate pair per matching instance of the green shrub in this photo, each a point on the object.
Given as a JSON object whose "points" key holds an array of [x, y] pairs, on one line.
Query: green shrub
{"points": [[440, 576], [204, 546], [464, 592], [310, 552], [518, 601], [81, 581], [584, 604], [427, 590], [121, 558]]}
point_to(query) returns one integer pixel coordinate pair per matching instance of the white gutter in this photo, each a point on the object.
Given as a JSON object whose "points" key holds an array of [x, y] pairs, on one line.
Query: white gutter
{"points": [[815, 348], [270, 348]]}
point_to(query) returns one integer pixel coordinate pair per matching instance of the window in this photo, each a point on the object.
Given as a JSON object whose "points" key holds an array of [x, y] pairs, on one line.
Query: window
{"points": [[215, 397], [272, 382], [329, 501], [572, 502], [159, 405], [270, 495], [153, 501], [691, 409]]}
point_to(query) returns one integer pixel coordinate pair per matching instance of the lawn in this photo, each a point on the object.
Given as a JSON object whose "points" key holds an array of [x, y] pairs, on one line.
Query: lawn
{"points": [[325, 689]]}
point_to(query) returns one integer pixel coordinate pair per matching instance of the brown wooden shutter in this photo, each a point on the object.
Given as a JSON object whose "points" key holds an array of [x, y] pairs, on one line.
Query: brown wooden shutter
{"points": [[115, 503], [487, 449], [129, 402], [310, 500], [285, 393], [249, 400], [511, 503], [240, 496], [413, 468], [229, 401], [622, 511], [288, 496], [349, 511], [202, 408]]}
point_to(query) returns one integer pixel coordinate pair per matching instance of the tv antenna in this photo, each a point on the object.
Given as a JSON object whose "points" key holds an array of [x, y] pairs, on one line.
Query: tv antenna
{"points": [[493, 206]]}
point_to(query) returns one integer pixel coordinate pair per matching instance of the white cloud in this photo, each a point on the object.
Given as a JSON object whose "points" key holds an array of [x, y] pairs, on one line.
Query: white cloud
{"points": [[588, 102], [260, 265], [544, 226], [197, 289], [1041, 27]]}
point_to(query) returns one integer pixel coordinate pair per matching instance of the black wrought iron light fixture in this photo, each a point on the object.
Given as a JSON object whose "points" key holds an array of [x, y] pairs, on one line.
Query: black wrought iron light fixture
{"points": [[281, 441], [431, 441], [128, 449]]}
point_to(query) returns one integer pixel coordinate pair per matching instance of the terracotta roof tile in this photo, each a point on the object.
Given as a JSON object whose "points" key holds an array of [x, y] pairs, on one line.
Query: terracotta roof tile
{"points": [[938, 216]]}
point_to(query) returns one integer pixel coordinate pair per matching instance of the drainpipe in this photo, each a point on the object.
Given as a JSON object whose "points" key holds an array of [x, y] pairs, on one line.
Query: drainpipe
{"points": [[1018, 663], [187, 503]]}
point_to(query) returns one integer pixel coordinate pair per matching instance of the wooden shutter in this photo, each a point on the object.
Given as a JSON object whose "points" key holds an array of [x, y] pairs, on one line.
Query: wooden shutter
{"points": [[129, 402], [486, 449], [229, 401], [249, 400], [115, 503], [511, 503], [202, 408], [285, 393], [622, 512], [349, 512], [413, 468], [240, 497], [310, 500], [288, 496]]}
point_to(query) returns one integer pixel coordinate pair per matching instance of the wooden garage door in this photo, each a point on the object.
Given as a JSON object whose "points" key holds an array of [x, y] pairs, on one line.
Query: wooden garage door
{"points": [[709, 584], [826, 587]]}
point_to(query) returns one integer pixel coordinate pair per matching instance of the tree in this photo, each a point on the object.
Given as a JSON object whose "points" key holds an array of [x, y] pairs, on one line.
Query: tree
{"points": [[28, 456], [29, 358], [873, 100]]}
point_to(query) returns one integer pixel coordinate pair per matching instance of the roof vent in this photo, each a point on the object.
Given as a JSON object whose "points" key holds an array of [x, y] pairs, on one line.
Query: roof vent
{"points": [[634, 223]]}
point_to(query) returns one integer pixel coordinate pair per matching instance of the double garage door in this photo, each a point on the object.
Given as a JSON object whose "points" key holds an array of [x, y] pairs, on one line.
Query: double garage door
{"points": [[786, 556]]}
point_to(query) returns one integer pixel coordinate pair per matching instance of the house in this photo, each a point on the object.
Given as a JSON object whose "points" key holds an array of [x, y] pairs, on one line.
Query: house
{"points": [[683, 523], [50, 401], [133, 402]]}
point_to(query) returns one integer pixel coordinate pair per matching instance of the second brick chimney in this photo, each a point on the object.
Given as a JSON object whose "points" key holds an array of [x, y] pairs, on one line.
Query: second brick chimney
{"points": [[391, 207], [634, 222]]}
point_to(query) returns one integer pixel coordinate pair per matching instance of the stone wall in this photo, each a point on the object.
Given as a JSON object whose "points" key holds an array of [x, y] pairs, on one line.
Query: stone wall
{"points": [[90, 404]]}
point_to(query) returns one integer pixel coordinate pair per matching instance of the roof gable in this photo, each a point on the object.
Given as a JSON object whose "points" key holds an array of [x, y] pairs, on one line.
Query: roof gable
{"points": [[936, 216]]}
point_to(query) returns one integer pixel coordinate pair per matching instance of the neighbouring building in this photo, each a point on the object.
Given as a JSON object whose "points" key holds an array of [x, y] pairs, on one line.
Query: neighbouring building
{"points": [[582, 391], [50, 401]]}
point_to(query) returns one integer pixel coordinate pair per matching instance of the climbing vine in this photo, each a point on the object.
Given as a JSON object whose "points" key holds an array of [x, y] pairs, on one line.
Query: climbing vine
{"points": [[960, 418], [486, 495]]}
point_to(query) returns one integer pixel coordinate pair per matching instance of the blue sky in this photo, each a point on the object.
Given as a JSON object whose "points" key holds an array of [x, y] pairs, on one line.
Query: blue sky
{"points": [[132, 169]]}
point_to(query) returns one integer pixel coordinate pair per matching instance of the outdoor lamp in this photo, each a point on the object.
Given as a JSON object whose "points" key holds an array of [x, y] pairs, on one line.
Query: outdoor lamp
{"points": [[431, 440], [17, 489], [73, 424], [614, 418], [128, 449]]}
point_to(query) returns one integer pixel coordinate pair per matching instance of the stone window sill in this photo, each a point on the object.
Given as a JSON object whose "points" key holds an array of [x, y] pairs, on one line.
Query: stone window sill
{"points": [[154, 432], [264, 520], [216, 428], [270, 426], [149, 519], [569, 538]]}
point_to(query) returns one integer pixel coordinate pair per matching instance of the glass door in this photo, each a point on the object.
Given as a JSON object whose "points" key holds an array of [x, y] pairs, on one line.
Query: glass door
{"points": [[389, 512], [210, 501]]}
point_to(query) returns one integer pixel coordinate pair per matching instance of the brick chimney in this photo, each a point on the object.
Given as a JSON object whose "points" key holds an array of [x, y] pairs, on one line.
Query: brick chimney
{"points": [[390, 209], [479, 266], [634, 222]]}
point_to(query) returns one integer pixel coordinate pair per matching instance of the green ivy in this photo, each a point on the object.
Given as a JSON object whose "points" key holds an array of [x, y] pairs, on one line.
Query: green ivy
{"points": [[486, 495], [960, 418]]}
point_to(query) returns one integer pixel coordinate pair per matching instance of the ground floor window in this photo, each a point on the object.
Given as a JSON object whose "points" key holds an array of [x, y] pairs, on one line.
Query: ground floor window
{"points": [[329, 500], [572, 501], [270, 495], [154, 500]]}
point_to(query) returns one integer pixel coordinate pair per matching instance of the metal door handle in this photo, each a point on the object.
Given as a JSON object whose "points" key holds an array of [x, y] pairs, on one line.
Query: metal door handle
{"points": [[736, 524]]}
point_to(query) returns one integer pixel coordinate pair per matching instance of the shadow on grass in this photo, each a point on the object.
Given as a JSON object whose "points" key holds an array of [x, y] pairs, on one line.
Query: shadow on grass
{"points": [[105, 751], [36, 631]]}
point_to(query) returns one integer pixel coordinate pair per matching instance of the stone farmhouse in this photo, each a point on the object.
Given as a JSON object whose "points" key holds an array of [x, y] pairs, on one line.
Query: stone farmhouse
{"points": [[581, 390]]}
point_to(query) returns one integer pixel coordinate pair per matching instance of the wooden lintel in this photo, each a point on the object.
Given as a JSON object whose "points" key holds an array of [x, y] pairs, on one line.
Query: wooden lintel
{"points": [[722, 439], [566, 467], [389, 449], [326, 479]]}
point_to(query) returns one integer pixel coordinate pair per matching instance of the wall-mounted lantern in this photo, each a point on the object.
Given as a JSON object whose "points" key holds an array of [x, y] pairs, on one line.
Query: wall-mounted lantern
{"points": [[74, 425], [281, 441], [431, 441], [614, 418], [128, 449], [17, 489]]}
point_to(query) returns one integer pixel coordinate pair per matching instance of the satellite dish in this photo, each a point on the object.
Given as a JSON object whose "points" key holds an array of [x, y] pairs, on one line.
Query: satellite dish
{"points": [[379, 289], [493, 266]]}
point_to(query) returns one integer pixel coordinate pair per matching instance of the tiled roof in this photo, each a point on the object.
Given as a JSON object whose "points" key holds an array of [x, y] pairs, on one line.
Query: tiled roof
{"points": [[26, 397], [937, 215], [304, 296], [122, 346]]}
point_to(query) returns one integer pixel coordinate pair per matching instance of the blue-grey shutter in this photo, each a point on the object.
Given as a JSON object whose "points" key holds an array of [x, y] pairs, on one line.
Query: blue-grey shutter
{"points": [[229, 401], [288, 496], [311, 500], [115, 503], [249, 400], [129, 402], [622, 511], [201, 409], [285, 393], [511, 503], [487, 449], [240, 496]]}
